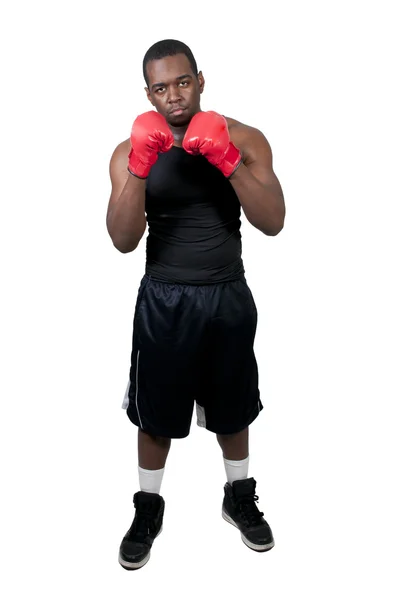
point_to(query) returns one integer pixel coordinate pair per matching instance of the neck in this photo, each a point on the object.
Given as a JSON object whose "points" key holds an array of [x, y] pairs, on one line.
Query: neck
{"points": [[179, 132]]}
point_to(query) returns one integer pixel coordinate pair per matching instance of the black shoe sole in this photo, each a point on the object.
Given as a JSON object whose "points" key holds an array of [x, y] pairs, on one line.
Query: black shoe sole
{"points": [[256, 547], [129, 566]]}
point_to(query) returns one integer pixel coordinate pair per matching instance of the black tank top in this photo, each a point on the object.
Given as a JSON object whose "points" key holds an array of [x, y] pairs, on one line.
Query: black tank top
{"points": [[193, 216]]}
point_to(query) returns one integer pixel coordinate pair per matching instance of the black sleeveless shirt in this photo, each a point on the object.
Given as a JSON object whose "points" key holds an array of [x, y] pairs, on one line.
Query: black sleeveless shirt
{"points": [[193, 216]]}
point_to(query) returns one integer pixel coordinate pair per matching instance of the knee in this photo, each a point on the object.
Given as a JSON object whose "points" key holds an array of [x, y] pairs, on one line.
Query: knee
{"points": [[232, 436], [159, 440], [162, 441]]}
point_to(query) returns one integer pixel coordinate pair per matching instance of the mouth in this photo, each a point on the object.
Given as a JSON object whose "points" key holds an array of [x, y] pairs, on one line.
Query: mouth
{"points": [[176, 112]]}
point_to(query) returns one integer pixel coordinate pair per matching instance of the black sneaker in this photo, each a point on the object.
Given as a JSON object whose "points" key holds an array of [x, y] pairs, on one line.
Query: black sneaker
{"points": [[135, 548], [239, 508]]}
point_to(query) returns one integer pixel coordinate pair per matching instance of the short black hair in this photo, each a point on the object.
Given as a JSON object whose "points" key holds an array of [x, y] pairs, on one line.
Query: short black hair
{"points": [[168, 48]]}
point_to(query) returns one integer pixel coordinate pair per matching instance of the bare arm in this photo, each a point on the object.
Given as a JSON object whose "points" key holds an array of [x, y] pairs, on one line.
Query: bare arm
{"points": [[125, 219], [255, 182]]}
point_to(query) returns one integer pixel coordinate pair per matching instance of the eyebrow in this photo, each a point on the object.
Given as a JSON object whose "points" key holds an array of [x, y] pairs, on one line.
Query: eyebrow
{"points": [[177, 79]]}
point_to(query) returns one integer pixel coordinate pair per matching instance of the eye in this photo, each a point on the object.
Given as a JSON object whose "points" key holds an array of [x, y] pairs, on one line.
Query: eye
{"points": [[184, 83], [159, 90]]}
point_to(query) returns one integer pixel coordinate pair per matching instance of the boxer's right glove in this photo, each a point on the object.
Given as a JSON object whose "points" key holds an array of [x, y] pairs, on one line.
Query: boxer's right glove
{"points": [[150, 135]]}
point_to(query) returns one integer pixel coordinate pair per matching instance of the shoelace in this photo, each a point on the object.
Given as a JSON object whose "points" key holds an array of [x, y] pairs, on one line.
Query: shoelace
{"points": [[144, 523], [249, 511]]}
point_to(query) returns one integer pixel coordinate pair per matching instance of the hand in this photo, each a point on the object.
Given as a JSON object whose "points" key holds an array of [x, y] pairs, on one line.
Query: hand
{"points": [[208, 135], [150, 135]]}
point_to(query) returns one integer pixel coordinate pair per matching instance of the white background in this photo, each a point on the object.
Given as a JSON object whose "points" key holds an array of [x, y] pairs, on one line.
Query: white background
{"points": [[319, 79]]}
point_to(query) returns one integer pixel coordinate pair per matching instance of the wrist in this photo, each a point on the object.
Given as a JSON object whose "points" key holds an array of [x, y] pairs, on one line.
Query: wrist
{"points": [[135, 174], [138, 168], [235, 170], [231, 161]]}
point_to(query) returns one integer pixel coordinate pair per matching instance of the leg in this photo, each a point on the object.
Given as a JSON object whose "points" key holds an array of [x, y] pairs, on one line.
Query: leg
{"points": [[159, 402], [235, 449], [152, 450], [235, 446], [234, 403]]}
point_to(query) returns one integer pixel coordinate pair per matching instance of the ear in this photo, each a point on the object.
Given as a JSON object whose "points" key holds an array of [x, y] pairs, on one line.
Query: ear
{"points": [[201, 80], [148, 95]]}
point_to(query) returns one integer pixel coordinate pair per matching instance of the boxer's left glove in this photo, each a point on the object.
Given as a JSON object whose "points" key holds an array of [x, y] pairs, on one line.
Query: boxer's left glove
{"points": [[208, 135]]}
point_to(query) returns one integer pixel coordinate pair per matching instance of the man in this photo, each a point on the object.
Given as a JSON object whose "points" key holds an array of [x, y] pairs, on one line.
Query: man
{"points": [[188, 172]]}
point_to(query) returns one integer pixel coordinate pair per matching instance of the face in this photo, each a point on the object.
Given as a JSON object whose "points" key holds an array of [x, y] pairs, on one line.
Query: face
{"points": [[173, 89]]}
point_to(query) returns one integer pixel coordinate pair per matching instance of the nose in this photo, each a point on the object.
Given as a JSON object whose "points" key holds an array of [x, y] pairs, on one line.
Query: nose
{"points": [[174, 94]]}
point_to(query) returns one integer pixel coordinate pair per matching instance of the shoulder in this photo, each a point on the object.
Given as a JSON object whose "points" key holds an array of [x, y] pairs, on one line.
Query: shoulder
{"points": [[119, 162], [250, 140], [121, 149], [119, 159]]}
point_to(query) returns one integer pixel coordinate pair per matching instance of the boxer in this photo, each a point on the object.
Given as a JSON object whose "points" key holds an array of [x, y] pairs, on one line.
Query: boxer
{"points": [[187, 174]]}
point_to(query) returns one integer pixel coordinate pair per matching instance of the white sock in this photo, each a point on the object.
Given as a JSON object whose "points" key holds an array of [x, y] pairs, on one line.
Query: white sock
{"points": [[236, 469], [150, 481]]}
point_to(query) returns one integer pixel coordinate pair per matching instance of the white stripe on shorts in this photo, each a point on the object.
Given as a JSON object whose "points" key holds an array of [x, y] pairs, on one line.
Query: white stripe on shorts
{"points": [[136, 388], [200, 414], [126, 399]]}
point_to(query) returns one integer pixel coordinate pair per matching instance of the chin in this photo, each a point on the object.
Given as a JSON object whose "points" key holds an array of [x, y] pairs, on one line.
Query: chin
{"points": [[181, 121]]}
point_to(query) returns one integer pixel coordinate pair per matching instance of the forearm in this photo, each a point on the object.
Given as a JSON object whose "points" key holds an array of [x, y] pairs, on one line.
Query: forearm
{"points": [[126, 220], [263, 205]]}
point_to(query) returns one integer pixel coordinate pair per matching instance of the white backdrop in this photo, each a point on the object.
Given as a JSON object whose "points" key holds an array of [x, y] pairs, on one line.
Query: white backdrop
{"points": [[319, 79]]}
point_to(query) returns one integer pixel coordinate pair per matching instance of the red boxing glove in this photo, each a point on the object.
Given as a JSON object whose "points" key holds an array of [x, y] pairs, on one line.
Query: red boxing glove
{"points": [[150, 135], [208, 135]]}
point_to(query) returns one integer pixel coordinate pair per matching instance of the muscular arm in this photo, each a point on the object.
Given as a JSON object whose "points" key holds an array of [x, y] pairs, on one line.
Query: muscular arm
{"points": [[125, 219], [255, 182]]}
